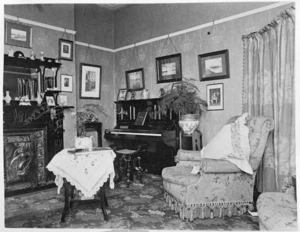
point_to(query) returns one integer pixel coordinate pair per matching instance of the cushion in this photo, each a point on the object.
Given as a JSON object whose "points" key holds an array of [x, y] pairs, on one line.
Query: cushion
{"points": [[277, 211], [232, 144], [180, 175]]}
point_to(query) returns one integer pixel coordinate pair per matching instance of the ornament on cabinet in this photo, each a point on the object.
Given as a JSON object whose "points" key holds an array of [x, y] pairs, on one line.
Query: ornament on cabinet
{"points": [[39, 99], [7, 98], [32, 56], [42, 56], [11, 52]]}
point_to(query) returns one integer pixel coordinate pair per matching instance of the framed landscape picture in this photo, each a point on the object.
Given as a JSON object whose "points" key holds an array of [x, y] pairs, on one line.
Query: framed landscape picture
{"points": [[18, 35], [214, 65], [135, 79], [65, 48], [215, 97], [168, 68], [90, 81]]}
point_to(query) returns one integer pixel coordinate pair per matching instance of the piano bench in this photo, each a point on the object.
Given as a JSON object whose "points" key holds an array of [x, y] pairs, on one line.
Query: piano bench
{"points": [[129, 161]]}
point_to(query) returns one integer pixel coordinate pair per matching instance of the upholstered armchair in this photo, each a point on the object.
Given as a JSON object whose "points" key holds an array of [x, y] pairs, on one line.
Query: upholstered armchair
{"points": [[220, 188]]}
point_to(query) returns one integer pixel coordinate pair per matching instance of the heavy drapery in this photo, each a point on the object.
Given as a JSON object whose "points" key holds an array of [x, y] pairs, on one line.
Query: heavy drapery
{"points": [[268, 89]]}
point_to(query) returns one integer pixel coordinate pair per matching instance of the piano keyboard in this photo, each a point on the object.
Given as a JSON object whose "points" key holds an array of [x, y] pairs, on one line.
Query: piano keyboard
{"points": [[133, 133]]}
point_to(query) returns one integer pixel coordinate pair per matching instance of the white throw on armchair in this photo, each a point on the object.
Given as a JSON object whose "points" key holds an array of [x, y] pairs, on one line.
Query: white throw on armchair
{"points": [[221, 188]]}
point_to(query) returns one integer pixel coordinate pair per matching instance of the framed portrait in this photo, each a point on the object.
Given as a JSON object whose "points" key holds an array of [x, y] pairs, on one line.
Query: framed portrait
{"points": [[65, 48], [122, 95], [66, 83], [18, 35], [90, 81], [214, 65], [168, 68], [135, 79], [215, 97], [50, 101], [130, 95]]}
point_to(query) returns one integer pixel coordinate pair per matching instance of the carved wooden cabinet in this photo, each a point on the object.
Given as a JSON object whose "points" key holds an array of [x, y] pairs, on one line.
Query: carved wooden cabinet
{"points": [[26, 77]]}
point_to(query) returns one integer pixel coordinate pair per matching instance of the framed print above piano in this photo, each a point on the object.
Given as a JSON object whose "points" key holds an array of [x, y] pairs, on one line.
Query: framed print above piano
{"points": [[214, 65], [168, 68], [135, 79]]}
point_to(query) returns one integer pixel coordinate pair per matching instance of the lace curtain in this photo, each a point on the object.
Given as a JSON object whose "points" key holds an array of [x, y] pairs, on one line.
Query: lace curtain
{"points": [[268, 89]]}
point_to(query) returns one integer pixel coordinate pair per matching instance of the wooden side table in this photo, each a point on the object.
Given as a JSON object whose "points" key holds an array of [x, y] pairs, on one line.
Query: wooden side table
{"points": [[70, 198], [85, 171], [191, 142]]}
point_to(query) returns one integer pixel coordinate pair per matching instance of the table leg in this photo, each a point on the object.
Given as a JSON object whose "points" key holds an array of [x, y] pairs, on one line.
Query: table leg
{"points": [[103, 203], [128, 160], [69, 191], [121, 167]]}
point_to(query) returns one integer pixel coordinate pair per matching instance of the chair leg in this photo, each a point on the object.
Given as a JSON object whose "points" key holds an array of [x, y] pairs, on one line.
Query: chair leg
{"points": [[121, 168]]}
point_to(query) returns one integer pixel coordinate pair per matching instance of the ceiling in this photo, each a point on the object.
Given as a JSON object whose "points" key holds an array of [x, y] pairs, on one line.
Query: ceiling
{"points": [[113, 7]]}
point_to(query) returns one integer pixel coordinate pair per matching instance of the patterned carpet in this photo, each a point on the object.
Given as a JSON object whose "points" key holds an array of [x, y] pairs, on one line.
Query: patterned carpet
{"points": [[139, 207]]}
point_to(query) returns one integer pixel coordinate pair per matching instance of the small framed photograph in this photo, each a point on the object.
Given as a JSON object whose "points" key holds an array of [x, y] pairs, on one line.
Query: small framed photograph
{"points": [[122, 95], [66, 83], [176, 85], [214, 65], [65, 48], [130, 95], [50, 100], [168, 68], [63, 100], [215, 97], [135, 79], [90, 81], [138, 95], [18, 35]]}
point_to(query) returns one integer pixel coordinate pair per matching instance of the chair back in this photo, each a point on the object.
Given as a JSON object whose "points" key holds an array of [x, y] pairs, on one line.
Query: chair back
{"points": [[259, 131]]}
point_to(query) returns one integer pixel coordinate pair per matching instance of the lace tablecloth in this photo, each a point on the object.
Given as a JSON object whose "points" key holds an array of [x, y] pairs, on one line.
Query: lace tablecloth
{"points": [[87, 171]]}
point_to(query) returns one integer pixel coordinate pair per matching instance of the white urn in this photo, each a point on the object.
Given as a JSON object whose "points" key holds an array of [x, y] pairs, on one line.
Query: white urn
{"points": [[189, 123], [7, 98]]}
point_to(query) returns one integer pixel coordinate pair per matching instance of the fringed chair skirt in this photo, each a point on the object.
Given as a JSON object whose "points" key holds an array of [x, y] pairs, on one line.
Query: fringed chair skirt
{"points": [[207, 210]]}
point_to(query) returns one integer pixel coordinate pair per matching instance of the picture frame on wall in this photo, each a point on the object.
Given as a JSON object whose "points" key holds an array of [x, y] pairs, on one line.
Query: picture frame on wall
{"points": [[168, 68], [63, 100], [65, 48], [214, 65], [90, 81], [135, 79], [66, 83], [215, 96], [50, 101], [122, 95], [17, 34]]}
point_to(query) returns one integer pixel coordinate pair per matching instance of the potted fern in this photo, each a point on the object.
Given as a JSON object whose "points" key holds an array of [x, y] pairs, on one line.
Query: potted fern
{"points": [[88, 114], [184, 100], [85, 115]]}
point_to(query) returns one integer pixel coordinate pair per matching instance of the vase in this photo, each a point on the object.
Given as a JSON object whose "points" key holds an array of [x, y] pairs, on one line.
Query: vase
{"points": [[189, 123], [7, 98], [39, 99], [145, 94]]}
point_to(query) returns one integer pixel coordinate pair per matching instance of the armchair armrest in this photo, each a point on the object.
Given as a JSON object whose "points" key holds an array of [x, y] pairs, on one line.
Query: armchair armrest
{"points": [[187, 155], [217, 166]]}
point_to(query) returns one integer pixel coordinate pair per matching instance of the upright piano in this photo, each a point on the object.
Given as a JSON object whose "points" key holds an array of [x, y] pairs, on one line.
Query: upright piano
{"points": [[139, 122]]}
